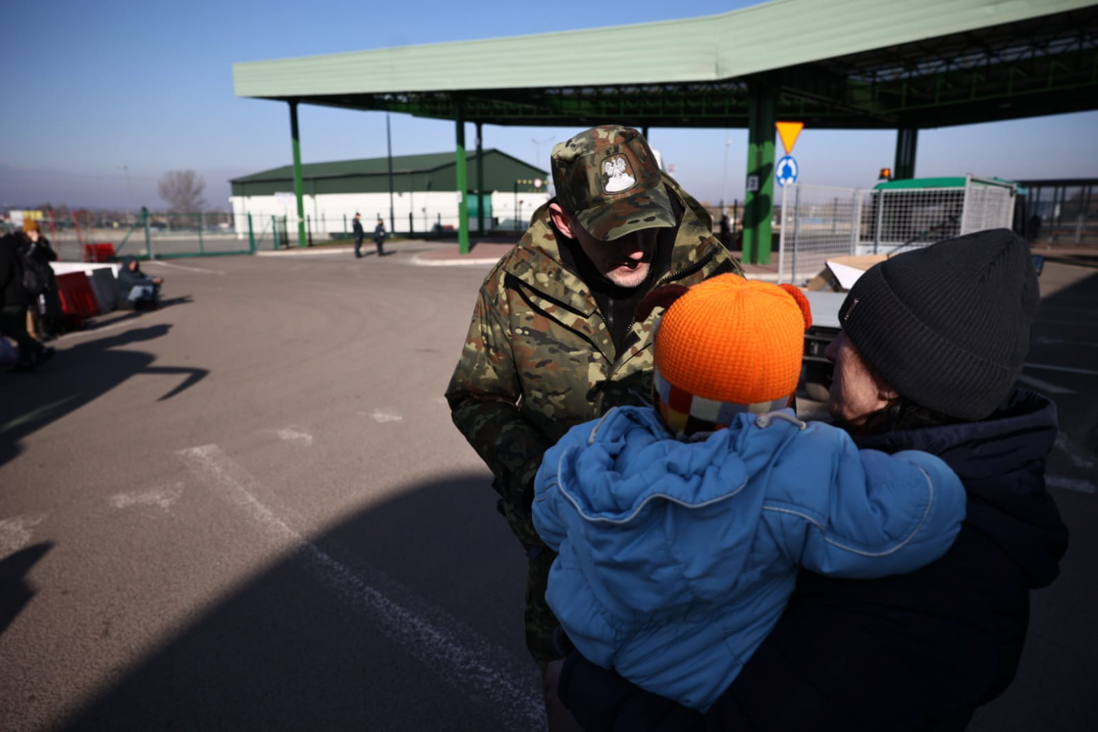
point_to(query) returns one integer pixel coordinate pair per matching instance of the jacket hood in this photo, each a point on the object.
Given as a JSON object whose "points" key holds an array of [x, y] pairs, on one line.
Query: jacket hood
{"points": [[1001, 461], [632, 463]]}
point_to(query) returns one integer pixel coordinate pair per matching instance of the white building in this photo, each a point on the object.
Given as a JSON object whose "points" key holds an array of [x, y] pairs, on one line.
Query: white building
{"points": [[423, 197]]}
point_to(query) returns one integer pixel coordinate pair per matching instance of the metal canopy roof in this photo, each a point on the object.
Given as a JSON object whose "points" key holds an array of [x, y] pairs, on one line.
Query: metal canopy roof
{"points": [[845, 64]]}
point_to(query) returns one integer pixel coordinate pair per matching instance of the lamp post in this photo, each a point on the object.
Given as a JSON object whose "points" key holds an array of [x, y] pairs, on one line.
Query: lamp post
{"points": [[129, 191], [537, 148], [724, 186], [389, 146]]}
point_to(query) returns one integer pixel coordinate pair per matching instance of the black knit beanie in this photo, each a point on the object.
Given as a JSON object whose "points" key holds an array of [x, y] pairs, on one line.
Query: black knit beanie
{"points": [[947, 326]]}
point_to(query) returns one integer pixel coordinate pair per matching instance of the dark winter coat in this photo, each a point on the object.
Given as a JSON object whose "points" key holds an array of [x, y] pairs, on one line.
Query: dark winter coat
{"points": [[128, 279], [914, 652], [40, 254], [12, 293]]}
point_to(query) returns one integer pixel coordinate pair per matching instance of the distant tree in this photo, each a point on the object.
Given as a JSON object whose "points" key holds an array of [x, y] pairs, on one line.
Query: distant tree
{"points": [[182, 189]]}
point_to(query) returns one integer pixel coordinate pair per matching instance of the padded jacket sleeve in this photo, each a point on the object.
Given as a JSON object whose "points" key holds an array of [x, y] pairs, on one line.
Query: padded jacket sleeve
{"points": [[885, 514]]}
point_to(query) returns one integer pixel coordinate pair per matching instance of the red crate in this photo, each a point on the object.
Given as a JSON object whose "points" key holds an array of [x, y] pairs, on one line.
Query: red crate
{"points": [[99, 252]]}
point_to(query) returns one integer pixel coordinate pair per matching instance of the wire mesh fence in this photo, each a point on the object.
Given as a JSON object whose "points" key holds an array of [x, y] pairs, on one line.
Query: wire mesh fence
{"points": [[817, 223], [821, 223]]}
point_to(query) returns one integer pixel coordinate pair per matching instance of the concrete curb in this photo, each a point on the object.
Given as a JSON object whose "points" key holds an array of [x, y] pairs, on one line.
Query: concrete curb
{"points": [[762, 276], [299, 251], [421, 261]]}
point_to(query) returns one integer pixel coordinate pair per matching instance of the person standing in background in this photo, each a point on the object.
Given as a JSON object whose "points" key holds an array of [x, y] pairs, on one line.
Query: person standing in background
{"points": [[44, 312], [13, 305], [356, 226], [379, 237]]}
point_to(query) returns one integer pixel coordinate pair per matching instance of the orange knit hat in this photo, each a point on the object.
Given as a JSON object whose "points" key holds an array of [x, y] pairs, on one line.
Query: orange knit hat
{"points": [[728, 345]]}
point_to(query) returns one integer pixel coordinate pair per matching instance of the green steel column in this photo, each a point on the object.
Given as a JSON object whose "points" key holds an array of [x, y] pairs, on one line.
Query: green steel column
{"points": [[251, 235], [480, 180], [904, 167], [758, 206], [299, 185], [462, 179], [201, 248]]}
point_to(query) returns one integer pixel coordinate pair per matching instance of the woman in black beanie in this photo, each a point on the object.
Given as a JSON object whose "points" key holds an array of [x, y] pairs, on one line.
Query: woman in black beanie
{"points": [[933, 342]]}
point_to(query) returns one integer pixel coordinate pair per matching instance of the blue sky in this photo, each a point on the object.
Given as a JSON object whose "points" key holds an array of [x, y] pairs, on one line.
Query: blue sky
{"points": [[104, 97]]}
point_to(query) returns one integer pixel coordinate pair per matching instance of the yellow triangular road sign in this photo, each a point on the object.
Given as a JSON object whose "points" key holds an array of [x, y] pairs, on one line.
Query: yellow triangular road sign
{"points": [[789, 131]]}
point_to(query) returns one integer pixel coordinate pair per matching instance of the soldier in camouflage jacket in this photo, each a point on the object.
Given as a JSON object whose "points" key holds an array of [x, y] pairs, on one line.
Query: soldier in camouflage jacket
{"points": [[550, 345]]}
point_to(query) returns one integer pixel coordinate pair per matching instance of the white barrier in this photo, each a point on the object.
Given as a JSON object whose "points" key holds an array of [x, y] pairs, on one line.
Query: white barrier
{"points": [[103, 279], [85, 267]]}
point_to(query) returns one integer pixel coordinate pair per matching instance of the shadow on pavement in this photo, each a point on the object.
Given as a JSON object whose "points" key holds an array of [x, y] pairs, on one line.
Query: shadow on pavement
{"points": [[15, 591], [326, 640], [76, 375]]}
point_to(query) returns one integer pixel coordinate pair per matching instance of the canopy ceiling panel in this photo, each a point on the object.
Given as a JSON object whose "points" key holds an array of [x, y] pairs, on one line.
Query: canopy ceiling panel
{"points": [[845, 64]]}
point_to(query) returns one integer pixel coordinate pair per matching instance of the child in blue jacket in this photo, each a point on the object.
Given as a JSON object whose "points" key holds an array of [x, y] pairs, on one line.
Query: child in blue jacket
{"points": [[680, 528]]}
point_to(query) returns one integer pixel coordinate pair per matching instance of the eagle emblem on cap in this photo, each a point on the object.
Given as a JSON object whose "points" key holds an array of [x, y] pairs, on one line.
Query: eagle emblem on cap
{"points": [[616, 175]]}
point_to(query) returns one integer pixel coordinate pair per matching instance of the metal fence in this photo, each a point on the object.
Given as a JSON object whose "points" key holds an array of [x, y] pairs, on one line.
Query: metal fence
{"points": [[83, 235], [817, 223], [1062, 211], [820, 223]]}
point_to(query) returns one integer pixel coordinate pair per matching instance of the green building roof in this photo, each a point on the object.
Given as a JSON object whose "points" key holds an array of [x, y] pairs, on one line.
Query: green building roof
{"points": [[940, 182], [430, 172]]}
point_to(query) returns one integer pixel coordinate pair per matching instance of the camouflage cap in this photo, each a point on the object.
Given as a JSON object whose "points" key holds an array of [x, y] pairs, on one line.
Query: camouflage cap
{"points": [[608, 178]]}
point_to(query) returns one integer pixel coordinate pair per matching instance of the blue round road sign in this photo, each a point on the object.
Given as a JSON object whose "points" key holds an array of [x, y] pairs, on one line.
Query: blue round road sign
{"points": [[786, 171]]}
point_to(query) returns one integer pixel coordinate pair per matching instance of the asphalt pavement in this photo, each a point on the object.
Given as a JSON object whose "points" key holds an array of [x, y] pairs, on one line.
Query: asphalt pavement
{"points": [[250, 510]]}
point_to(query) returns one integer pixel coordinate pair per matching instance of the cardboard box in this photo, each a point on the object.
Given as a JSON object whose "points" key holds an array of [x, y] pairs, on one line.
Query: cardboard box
{"points": [[841, 273]]}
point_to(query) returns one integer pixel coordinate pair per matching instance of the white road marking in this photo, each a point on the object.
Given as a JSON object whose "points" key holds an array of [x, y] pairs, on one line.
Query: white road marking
{"points": [[1072, 484], [292, 435], [469, 667], [1065, 369], [1073, 452], [130, 322], [1050, 341], [1044, 386], [183, 266], [381, 416], [15, 532], [34, 414], [162, 497]]}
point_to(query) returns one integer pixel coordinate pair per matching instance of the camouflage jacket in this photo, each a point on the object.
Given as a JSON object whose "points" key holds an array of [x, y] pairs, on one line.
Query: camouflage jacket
{"points": [[539, 358]]}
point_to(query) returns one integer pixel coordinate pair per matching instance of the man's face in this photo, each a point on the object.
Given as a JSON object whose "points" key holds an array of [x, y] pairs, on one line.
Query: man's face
{"points": [[856, 389], [625, 261]]}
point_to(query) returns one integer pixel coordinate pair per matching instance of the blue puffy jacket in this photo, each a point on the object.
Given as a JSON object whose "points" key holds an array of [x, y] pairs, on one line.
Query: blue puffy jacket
{"points": [[677, 558]]}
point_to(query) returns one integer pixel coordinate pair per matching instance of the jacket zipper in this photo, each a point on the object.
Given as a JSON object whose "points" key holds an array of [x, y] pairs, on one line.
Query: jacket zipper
{"points": [[667, 279]]}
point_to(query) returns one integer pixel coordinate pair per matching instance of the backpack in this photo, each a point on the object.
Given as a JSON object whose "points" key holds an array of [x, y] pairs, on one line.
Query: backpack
{"points": [[35, 281]]}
